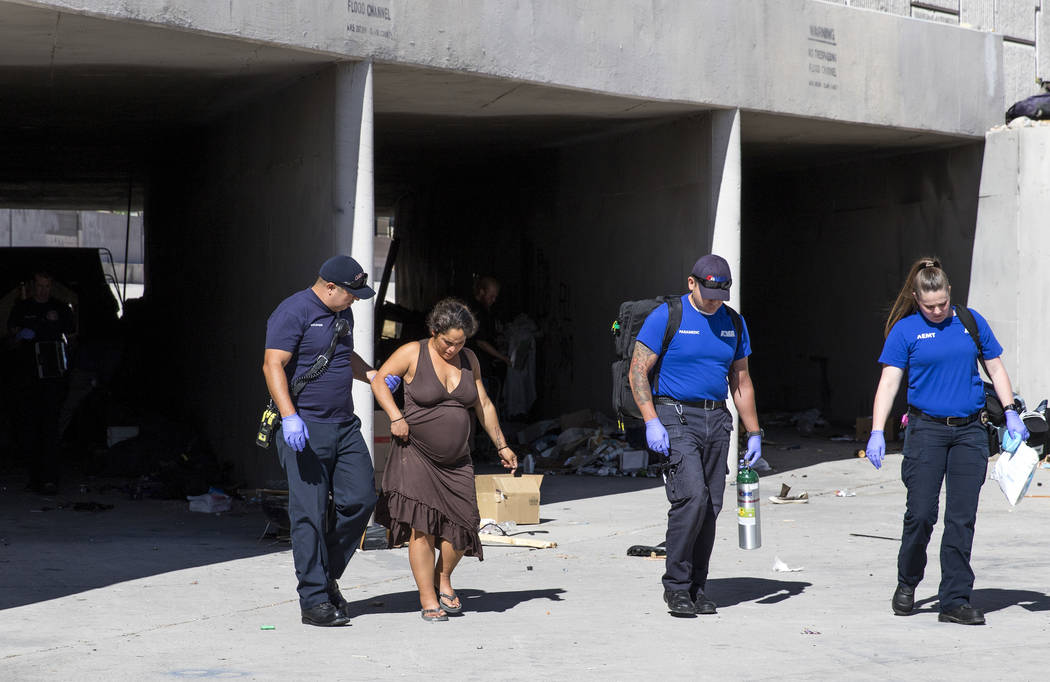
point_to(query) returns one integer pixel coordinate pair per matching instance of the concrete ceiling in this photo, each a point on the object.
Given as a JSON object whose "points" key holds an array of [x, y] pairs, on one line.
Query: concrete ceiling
{"points": [[85, 98]]}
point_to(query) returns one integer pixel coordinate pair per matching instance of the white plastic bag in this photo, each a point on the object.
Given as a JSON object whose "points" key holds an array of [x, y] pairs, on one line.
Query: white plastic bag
{"points": [[1014, 472], [210, 503]]}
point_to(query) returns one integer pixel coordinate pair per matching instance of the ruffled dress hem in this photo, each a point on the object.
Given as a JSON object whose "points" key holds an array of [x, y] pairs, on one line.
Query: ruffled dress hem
{"points": [[401, 514]]}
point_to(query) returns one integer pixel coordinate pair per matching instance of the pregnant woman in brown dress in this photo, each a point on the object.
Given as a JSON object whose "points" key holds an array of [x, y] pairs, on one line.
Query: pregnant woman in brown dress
{"points": [[428, 487]]}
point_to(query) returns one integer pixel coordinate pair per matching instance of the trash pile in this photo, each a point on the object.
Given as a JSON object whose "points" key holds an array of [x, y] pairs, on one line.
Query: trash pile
{"points": [[583, 442]]}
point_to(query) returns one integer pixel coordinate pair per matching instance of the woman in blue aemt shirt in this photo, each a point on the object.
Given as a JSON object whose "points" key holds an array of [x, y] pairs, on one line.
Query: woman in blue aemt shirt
{"points": [[946, 440]]}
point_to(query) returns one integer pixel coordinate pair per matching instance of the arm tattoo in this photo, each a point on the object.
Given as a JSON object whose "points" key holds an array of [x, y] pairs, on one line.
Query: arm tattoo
{"points": [[642, 362]]}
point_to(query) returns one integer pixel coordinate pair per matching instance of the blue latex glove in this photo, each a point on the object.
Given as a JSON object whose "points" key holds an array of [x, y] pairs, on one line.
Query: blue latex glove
{"points": [[656, 436], [392, 381], [876, 449], [25, 334], [1015, 425], [754, 450], [295, 433], [1011, 442]]}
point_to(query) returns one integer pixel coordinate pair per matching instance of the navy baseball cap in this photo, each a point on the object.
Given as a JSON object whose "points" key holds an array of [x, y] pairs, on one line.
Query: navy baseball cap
{"points": [[347, 273], [712, 274]]}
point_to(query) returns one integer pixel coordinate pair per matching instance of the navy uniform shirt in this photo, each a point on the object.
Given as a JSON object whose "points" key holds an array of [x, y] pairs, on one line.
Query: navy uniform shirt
{"points": [[941, 360], [303, 326], [696, 366]]}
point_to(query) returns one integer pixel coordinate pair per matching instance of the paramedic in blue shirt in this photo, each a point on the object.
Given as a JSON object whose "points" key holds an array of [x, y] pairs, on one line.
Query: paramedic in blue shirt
{"points": [[946, 440], [686, 420], [321, 447]]}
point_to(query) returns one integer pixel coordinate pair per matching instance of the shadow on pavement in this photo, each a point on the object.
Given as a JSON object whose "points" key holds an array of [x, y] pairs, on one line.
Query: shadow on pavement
{"points": [[48, 549], [733, 591], [992, 599], [476, 601]]}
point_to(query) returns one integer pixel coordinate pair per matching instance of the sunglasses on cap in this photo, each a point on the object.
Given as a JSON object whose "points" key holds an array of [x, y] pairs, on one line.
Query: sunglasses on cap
{"points": [[360, 281], [712, 282]]}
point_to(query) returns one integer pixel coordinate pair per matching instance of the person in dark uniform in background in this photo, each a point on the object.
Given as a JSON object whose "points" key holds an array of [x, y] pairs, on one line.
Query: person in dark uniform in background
{"points": [[321, 447], [39, 327], [493, 363], [945, 440], [686, 419]]}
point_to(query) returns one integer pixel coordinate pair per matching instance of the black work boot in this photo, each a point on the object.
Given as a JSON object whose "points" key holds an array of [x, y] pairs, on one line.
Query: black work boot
{"points": [[336, 597], [963, 614], [324, 614], [903, 599], [679, 603]]}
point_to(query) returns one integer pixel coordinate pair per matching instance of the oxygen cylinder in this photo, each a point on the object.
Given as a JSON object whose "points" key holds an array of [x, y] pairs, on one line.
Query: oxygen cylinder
{"points": [[748, 527]]}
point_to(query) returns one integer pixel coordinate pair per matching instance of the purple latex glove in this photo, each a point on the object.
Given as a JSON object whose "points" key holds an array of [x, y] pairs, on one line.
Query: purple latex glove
{"points": [[25, 334], [656, 436], [295, 432], [1015, 425], [876, 449], [754, 450], [392, 381]]}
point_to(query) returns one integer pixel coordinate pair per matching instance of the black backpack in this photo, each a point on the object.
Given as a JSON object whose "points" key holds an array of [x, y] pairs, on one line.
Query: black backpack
{"points": [[625, 331], [1036, 107]]}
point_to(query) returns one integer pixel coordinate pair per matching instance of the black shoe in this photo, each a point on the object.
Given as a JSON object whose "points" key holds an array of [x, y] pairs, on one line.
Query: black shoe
{"points": [[903, 599], [679, 603], [324, 615], [704, 605], [336, 597], [964, 615]]}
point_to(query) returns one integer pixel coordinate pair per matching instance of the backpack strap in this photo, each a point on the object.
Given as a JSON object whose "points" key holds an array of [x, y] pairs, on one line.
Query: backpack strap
{"points": [[674, 321], [966, 317], [738, 325]]}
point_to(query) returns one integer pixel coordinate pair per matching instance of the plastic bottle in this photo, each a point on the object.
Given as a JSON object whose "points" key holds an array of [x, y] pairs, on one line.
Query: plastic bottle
{"points": [[747, 496]]}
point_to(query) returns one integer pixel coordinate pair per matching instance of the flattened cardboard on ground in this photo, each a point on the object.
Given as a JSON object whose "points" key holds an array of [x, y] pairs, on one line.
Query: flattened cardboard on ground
{"points": [[863, 428], [507, 498]]}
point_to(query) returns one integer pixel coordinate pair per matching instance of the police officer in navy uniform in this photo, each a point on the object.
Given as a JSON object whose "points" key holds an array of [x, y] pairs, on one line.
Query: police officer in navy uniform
{"points": [[945, 440], [321, 447], [686, 420], [40, 322]]}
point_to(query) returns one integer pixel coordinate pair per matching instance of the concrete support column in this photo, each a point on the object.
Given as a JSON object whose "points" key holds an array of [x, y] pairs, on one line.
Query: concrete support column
{"points": [[725, 222], [1007, 272], [354, 207]]}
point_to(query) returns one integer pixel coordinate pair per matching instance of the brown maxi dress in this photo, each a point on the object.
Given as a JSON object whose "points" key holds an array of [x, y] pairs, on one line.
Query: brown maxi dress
{"points": [[429, 480]]}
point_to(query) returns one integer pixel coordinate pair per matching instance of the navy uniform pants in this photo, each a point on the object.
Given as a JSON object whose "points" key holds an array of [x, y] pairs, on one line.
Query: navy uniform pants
{"points": [[334, 461], [957, 455], [695, 481]]}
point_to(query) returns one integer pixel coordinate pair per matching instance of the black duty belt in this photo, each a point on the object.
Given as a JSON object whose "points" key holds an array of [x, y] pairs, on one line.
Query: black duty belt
{"points": [[947, 421], [701, 404]]}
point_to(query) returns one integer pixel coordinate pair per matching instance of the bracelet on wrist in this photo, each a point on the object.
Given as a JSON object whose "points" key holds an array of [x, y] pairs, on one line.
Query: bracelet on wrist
{"points": [[398, 420], [502, 447]]}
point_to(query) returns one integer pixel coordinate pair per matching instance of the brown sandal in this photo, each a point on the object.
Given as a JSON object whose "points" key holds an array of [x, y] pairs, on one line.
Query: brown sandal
{"points": [[434, 618]]}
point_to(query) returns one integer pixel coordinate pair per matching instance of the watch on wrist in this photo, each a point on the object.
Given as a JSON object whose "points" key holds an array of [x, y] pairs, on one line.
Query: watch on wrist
{"points": [[1015, 406], [761, 433]]}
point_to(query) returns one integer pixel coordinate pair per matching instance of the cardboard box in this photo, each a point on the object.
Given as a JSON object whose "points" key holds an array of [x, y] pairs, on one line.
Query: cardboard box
{"points": [[507, 498], [863, 428]]}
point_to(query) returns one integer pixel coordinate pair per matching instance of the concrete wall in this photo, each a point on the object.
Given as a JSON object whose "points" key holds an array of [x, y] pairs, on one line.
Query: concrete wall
{"points": [[239, 216], [825, 251], [752, 54], [1021, 22], [1011, 252]]}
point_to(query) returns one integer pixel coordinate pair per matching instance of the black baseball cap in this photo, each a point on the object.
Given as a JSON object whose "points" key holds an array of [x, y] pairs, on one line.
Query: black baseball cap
{"points": [[712, 274], [347, 273]]}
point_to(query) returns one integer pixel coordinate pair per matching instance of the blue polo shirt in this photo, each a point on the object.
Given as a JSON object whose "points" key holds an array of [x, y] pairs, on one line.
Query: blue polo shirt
{"points": [[696, 366], [303, 326], [941, 360]]}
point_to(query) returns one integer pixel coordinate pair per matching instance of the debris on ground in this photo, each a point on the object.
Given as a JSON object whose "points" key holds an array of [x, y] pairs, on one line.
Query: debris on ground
{"points": [[211, 502], [780, 567], [786, 498], [647, 550], [845, 492]]}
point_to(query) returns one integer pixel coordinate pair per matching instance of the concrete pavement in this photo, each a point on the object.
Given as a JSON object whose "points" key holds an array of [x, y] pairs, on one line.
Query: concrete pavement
{"points": [[149, 590]]}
